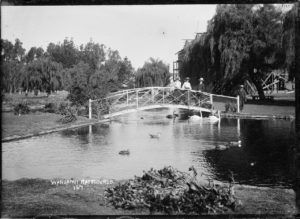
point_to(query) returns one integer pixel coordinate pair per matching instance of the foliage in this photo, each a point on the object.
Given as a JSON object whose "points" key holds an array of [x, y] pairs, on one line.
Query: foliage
{"points": [[230, 107], [12, 56], [153, 73], [68, 115], [242, 42], [50, 108], [288, 41], [171, 191], [65, 53], [21, 108], [78, 96], [91, 70], [42, 74]]}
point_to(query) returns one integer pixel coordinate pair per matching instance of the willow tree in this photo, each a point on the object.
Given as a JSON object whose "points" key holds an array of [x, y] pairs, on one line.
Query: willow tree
{"points": [[242, 42], [153, 73], [289, 41], [42, 74], [12, 57]]}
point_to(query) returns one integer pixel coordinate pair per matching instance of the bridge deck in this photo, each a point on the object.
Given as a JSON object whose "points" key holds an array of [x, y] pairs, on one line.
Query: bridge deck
{"points": [[157, 106]]}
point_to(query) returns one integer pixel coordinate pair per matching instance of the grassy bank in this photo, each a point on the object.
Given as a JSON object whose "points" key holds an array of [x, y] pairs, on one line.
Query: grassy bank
{"points": [[10, 100], [33, 123], [33, 197]]}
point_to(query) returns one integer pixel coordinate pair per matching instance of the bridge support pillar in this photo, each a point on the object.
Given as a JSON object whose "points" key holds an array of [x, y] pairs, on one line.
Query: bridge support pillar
{"points": [[238, 103], [137, 98], [90, 109], [211, 99]]}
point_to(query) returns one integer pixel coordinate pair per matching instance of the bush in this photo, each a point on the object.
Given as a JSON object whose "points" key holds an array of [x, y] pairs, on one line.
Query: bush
{"points": [[68, 115], [21, 108], [78, 96], [50, 108], [171, 191], [206, 105], [230, 107]]}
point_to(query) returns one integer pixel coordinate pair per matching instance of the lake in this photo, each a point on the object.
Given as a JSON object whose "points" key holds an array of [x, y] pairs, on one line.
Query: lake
{"points": [[265, 158]]}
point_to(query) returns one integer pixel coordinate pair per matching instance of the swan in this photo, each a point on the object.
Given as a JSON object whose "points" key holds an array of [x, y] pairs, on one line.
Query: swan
{"points": [[124, 152], [214, 118], [221, 147], [155, 135], [195, 118], [235, 143], [229, 145]]}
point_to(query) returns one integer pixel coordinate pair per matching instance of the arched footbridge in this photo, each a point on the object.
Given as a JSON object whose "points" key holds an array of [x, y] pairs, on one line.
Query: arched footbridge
{"points": [[132, 100]]}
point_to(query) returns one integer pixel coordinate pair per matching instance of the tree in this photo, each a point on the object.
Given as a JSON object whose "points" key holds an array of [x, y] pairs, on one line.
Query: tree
{"points": [[288, 41], [153, 73], [34, 53], [92, 54], [12, 56], [66, 53], [42, 74], [242, 43]]}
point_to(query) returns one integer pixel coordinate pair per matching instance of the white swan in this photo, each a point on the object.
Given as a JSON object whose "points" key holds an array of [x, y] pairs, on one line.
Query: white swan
{"points": [[214, 118], [195, 118], [229, 145]]}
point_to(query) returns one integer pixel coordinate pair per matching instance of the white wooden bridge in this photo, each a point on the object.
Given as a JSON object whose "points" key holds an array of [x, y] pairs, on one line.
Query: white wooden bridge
{"points": [[132, 100]]}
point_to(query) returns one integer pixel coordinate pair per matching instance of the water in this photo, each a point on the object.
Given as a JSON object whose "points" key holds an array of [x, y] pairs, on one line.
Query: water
{"points": [[265, 158]]}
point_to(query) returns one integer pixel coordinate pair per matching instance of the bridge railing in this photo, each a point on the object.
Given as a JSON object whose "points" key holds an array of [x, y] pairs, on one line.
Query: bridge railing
{"points": [[146, 96]]}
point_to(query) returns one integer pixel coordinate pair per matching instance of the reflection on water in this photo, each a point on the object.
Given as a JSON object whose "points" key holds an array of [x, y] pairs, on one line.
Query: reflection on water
{"points": [[264, 158]]}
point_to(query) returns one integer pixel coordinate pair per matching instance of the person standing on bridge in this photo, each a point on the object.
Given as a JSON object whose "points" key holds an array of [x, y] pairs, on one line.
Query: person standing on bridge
{"points": [[177, 92], [201, 85], [177, 83], [242, 96], [187, 85], [201, 88]]}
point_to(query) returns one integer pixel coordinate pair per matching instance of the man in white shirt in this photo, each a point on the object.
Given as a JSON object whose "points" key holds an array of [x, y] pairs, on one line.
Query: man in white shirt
{"points": [[186, 85]]}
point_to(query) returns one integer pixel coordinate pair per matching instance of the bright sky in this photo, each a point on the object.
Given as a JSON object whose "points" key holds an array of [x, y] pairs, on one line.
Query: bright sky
{"points": [[138, 32]]}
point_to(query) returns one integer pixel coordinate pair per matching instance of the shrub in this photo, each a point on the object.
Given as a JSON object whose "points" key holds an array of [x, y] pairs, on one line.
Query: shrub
{"points": [[68, 115], [230, 107], [206, 105], [50, 108], [21, 108], [62, 108]]}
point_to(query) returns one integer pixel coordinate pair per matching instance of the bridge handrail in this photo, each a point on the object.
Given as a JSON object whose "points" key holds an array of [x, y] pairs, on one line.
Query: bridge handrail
{"points": [[162, 96], [113, 94]]}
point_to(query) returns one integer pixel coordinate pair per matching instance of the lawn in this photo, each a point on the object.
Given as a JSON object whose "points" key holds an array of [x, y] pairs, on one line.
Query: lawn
{"points": [[33, 123], [35, 197]]}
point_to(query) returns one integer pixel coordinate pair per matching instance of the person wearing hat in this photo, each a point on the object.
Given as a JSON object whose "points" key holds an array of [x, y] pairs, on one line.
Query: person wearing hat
{"points": [[243, 96], [177, 83], [201, 84], [186, 85]]}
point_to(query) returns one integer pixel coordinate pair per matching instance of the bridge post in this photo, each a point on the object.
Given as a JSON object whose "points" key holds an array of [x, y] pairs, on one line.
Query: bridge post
{"points": [[90, 109], [163, 90], [211, 99], [189, 102], [137, 98], [127, 97], [152, 94], [238, 103]]}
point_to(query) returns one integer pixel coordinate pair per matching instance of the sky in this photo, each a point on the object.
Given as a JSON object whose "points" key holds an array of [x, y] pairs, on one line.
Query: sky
{"points": [[138, 32]]}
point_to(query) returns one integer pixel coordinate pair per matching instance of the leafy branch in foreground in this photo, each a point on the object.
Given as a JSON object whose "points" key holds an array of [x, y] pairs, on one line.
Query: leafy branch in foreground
{"points": [[173, 192]]}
